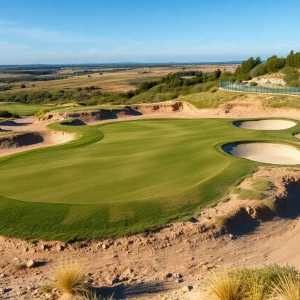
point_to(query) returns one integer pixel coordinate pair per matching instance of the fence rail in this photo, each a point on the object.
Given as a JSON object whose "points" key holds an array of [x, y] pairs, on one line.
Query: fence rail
{"points": [[230, 86]]}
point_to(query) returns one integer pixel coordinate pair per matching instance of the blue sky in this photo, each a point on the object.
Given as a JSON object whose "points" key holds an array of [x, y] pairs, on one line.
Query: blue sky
{"points": [[82, 31]]}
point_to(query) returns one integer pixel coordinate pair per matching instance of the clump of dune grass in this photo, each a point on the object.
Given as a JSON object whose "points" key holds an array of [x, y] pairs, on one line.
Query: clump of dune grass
{"points": [[287, 287], [70, 279], [225, 286], [272, 282]]}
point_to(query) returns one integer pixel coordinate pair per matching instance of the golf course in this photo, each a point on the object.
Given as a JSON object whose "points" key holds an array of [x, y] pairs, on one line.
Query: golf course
{"points": [[124, 177]]}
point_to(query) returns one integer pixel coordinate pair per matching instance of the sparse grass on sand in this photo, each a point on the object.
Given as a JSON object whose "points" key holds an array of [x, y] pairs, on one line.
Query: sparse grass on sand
{"points": [[209, 99], [272, 282], [122, 178]]}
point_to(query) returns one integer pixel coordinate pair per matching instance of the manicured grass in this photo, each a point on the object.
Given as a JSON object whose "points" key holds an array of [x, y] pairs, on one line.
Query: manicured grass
{"points": [[25, 109], [31, 109], [122, 177]]}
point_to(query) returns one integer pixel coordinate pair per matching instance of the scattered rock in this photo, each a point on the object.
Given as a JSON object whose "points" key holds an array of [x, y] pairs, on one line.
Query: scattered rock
{"points": [[232, 237], [177, 275], [44, 247], [105, 246], [30, 263], [187, 288], [59, 247]]}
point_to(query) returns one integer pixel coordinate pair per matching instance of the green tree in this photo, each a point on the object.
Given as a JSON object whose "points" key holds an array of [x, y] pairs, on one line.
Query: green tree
{"points": [[275, 64]]}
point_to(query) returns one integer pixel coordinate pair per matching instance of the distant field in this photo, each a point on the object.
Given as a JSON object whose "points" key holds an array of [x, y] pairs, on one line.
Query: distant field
{"points": [[121, 81], [122, 177]]}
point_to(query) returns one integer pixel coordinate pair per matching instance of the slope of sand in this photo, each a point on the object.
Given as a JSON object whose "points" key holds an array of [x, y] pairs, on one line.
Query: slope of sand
{"points": [[271, 153], [19, 142], [265, 124]]}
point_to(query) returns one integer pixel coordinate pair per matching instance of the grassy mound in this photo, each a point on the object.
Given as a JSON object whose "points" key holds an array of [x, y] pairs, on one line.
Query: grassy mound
{"points": [[122, 177]]}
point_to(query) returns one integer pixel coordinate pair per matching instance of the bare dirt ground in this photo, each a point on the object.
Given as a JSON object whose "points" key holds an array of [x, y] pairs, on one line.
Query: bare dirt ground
{"points": [[173, 262]]}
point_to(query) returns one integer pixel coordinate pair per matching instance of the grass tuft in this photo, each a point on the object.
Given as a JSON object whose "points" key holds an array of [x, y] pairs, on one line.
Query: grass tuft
{"points": [[94, 296], [272, 282], [70, 279], [287, 287], [225, 286]]}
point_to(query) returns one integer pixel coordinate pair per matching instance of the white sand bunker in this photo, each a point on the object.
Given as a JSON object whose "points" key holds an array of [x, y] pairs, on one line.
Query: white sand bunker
{"points": [[265, 152], [265, 124], [14, 143]]}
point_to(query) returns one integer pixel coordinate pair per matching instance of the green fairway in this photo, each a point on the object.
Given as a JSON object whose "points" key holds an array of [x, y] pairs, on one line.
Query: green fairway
{"points": [[122, 177], [25, 109], [31, 109]]}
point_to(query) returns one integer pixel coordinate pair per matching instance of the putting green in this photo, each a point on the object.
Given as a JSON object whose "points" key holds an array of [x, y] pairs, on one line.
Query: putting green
{"points": [[122, 177]]}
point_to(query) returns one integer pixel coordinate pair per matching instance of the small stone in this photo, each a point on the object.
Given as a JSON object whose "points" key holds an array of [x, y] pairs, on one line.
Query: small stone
{"points": [[187, 288], [59, 247], [105, 246], [177, 275], [168, 275], [3, 275], [44, 247], [30, 263], [232, 237], [114, 280], [2, 291]]}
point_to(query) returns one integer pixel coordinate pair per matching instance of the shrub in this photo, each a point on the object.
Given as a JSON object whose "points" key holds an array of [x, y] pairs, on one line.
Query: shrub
{"points": [[23, 86], [275, 64], [7, 114], [259, 70], [238, 81], [253, 83]]}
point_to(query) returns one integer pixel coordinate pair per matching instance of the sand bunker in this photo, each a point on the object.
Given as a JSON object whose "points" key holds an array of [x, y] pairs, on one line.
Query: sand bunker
{"points": [[271, 153], [265, 124], [14, 143]]}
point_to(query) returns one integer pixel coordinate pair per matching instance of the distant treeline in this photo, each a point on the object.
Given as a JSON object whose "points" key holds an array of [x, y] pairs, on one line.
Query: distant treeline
{"points": [[168, 87], [29, 78], [29, 72]]}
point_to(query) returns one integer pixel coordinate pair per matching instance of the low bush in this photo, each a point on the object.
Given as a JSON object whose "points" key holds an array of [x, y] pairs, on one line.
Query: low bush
{"points": [[7, 114], [259, 70], [253, 83]]}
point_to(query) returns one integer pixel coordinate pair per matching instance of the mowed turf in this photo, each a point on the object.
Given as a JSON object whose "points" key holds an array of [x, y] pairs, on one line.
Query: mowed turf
{"points": [[122, 177]]}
